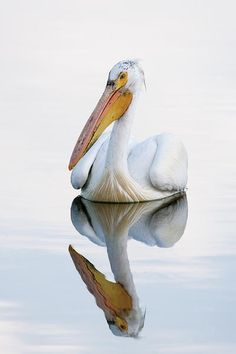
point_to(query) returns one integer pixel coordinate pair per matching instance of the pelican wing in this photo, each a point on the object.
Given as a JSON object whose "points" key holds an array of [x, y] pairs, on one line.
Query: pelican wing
{"points": [[83, 222], [159, 163], [168, 170], [162, 227], [81, 170]]}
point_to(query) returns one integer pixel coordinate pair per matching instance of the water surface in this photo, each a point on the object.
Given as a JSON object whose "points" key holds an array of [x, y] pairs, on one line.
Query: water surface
{"points": [[54, 63]]}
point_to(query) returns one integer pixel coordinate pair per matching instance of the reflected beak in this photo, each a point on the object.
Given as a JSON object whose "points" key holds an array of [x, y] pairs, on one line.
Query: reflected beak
{"points": [[111, 106], [111, 297]]}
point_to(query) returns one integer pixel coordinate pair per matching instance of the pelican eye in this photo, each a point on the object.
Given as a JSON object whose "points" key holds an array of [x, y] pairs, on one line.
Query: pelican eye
{"points": [[122, 76], [121, 79], [123, 327]]}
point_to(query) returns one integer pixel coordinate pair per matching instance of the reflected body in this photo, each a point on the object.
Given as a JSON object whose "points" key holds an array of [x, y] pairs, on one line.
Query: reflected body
{"points": [[112, 167], [160, 223]]}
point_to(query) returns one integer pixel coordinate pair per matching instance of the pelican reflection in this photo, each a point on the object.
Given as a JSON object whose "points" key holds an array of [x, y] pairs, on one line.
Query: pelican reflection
{"points": [[160, 223]]}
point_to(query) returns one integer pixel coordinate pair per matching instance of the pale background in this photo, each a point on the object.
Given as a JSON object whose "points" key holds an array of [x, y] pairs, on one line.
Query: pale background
{"points": [[54, 61]]}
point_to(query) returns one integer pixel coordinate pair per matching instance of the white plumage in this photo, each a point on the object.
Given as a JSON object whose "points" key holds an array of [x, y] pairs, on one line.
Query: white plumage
{"points": [[118, 169]]}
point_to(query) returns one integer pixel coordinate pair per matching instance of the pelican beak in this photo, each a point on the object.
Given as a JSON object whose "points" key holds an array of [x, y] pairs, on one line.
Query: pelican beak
{"points": [[111, 106], [111, 297]]}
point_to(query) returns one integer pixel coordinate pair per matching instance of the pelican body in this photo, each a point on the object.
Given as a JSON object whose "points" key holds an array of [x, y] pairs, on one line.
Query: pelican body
{"points": [[112, 167]]}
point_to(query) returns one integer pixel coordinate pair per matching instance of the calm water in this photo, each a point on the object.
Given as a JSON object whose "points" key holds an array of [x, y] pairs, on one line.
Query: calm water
{"points": [[179, 257]]}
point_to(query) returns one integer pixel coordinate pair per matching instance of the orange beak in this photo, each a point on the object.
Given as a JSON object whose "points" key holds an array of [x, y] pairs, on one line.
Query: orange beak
{"points": [[111, 297], [111, 106]]}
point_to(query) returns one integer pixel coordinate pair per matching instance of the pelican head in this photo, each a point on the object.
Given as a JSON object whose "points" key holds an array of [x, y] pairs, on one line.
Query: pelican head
{"points": [[126, 75], [124, 81]]}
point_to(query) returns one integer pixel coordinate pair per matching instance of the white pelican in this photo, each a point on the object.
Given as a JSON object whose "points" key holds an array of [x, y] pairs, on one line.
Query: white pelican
{"points": [[111, 167], [160, 223]]}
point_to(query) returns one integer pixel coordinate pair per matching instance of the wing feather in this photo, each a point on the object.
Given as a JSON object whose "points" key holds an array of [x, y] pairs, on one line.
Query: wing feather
{"points": [[81, 170], [168, 170]]}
